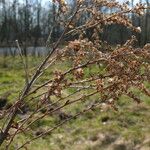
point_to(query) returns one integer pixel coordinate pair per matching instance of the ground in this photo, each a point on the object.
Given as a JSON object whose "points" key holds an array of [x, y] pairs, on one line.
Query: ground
{"points": [[125, 129]]}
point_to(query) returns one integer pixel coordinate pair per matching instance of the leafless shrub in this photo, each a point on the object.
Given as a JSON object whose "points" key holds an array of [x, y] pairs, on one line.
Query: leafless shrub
{"points": [[124, 68]]}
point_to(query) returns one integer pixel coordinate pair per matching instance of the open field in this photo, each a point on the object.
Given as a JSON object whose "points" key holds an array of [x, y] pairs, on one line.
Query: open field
{"points": [[125, 129]]}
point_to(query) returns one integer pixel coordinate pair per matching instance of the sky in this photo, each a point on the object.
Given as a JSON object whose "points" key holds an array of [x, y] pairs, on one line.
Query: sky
{"points": [[47, 2], [68, 0], [135, 1]]}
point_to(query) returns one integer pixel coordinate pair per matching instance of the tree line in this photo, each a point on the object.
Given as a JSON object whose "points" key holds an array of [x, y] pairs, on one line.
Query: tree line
{"points": [[30, 22]]}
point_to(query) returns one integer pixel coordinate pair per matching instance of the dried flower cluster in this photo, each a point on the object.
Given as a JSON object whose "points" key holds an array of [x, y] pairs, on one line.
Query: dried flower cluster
{"points": [[95, 69]]}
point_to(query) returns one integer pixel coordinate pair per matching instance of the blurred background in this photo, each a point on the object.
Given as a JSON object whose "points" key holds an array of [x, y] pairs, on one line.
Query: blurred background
{"points": [[30, 22]]}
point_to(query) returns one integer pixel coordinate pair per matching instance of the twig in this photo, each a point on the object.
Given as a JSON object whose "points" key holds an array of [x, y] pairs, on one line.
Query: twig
{"points": [[24, 63], [60, 124], [31, 82]]}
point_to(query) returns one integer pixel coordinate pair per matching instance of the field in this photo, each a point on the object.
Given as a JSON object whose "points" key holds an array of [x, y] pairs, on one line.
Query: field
{"points": [[125, 129]]}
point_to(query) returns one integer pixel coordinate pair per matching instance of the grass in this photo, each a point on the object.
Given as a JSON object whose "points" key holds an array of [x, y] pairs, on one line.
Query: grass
{"points": [[95, 130]]}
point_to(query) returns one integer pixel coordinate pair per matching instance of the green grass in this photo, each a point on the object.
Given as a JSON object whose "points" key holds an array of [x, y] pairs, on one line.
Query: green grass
{"points": [[131, 122]]}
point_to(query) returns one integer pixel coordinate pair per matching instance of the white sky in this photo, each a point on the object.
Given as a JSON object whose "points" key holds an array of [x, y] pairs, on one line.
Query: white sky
{"points": [[46, 2], [135, 1], [68, 0]]}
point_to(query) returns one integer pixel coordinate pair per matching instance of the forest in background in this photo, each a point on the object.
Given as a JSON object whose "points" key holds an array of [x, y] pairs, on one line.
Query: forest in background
{"points": [[30, 22]]}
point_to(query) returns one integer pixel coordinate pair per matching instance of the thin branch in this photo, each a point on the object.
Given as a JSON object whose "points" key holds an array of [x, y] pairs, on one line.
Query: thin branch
{"points": [[24, 63], [59, 124], [4, 134]]}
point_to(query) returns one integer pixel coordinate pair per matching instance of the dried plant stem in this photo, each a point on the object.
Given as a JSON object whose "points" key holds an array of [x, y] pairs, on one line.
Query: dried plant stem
{"points": [[24, 62], [60, 124], [4, 134]]}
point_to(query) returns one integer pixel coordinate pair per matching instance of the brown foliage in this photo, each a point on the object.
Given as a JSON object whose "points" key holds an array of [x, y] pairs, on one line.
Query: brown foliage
{"points": [[125, 67]]}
